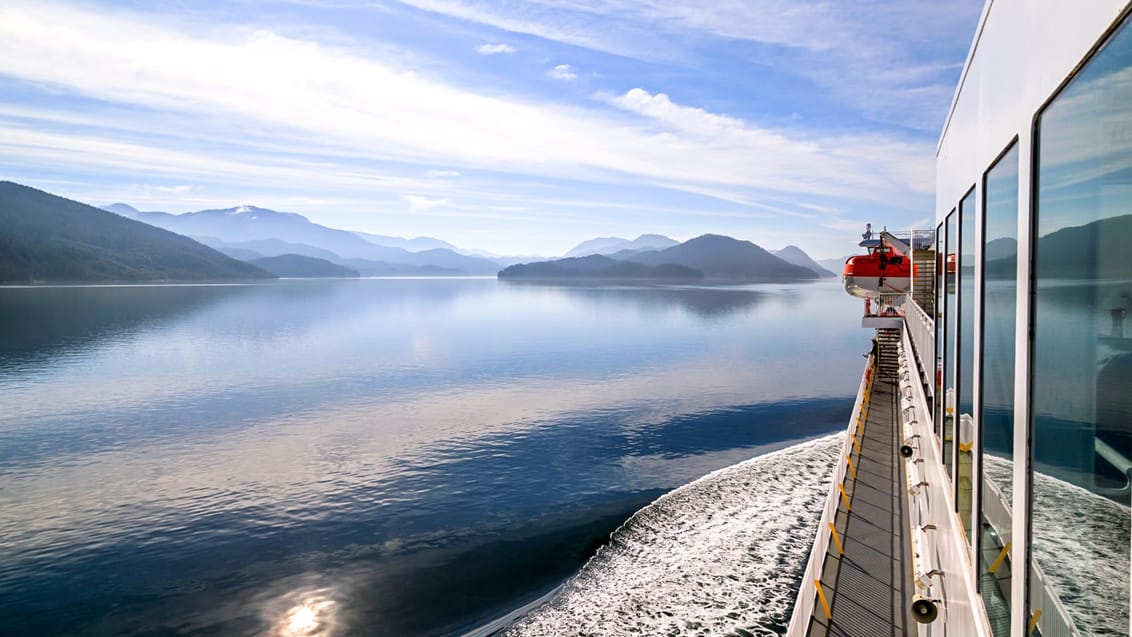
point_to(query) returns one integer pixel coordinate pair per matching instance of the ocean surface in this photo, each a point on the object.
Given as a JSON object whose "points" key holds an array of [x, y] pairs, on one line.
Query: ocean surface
{"points": [[414, 456]]}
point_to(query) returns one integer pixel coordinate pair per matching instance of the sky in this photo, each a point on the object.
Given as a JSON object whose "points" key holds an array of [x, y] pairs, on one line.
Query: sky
{"points": [[516, 127]]}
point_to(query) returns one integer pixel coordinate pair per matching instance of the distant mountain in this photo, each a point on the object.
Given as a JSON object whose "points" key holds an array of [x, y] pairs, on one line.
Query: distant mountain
{"points": [[416, 244], [380, 268], [725, 258], [239, 253], [596, 266], [610, 245], [124, 210], [836, 265], [274, 233], [297, 265], [794, 254], [1098, 249], [1001, 248], [712, 257], [269, 248], [46, 238]]}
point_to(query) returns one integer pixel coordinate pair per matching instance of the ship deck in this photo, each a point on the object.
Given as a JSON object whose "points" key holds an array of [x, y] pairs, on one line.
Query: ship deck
{"points": [[867, 587]]}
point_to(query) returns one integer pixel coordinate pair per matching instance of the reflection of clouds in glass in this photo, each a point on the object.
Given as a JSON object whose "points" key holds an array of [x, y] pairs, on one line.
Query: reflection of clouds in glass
{"points": [[1086, 142]]}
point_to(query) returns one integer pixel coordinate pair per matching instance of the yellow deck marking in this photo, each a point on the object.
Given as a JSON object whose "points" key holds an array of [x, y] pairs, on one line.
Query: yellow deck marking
{"points": [[836, 539], [852, 469], [1034, 620], [844, 498], [1000, 559], [824, 604]]}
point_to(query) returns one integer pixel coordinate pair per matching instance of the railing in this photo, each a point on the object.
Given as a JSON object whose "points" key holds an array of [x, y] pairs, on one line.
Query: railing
{"points": [[808, 591], [921, 329], [1046, 610], [1053, 620]]}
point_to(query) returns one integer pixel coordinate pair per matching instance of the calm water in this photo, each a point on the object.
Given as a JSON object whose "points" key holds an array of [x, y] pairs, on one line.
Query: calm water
{"points": [[373, 456]]}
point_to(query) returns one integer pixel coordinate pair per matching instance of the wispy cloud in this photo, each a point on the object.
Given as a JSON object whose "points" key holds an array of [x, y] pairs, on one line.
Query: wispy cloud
{"points": [[160, 99], [848, 48], [563, 72], [495, 49], [417, 202], [309, 91]]}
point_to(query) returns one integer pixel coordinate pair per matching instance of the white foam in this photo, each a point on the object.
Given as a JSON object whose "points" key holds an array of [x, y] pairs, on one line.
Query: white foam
{"points": [[1081, 544], [721, 555]]}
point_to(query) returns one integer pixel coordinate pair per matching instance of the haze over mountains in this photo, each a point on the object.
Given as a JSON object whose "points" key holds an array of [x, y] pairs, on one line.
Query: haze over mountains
{"points": [[249, 232], [51, 239], [708, 257], [612, 245], [45, 238]]}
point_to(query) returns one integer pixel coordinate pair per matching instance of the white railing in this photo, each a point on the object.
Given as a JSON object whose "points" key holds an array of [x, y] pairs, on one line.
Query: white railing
{"points": [[939, 545], [921, 329], [807, 592], [1054, 620], [996, 509]]}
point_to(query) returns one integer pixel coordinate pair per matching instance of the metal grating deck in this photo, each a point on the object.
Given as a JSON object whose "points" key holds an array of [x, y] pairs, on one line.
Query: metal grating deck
{"points": [[869, 587]]}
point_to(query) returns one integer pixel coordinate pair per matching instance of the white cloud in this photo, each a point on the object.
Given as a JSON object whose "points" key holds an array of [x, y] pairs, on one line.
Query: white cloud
{"points": [[419, 203], [495, 49], [333, 130], [443, 174], [562, 72], [847, 47]]}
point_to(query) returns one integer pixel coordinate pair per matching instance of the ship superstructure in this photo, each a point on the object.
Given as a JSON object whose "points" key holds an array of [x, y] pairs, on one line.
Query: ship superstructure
{"points": [[985, 480]]}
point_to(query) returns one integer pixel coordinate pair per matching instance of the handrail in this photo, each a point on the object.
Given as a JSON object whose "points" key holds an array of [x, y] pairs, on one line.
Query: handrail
{"points": [[1054, 620], [805, 600], [921, 329]]}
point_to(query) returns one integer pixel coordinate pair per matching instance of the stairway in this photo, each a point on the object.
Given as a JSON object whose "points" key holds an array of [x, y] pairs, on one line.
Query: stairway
{"points": [[888, 346], [923, 281]]}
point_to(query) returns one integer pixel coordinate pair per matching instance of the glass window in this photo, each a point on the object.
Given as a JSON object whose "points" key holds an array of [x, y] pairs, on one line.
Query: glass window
{"points": [[950, 321], [1000, 271], [965, 372], [937, 316], [1081, 394]]}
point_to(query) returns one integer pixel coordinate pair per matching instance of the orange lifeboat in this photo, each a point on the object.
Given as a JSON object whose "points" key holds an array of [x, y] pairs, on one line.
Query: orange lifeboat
{"points": [[886, 269]]}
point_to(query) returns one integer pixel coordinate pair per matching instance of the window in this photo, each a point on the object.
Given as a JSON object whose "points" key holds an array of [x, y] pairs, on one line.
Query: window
{"points": [[965, 356], [950, 322], [1000, 271], [1081, 392], [937, 316]]}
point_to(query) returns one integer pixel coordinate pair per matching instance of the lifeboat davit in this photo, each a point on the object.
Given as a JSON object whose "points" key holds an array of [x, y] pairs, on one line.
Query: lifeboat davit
{"points": [[886, 269]]}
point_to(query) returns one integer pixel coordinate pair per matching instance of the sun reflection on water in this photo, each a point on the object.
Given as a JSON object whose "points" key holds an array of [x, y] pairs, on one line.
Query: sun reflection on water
{"points": [[310, 614]]}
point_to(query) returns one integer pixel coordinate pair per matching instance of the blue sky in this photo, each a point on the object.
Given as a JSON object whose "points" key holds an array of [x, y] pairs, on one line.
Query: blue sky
{"points": [[518, 127]]}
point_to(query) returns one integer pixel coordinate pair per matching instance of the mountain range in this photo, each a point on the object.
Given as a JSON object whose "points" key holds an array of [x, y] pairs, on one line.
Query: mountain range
{"points": [[708, 257], [46, 238], [794, 254], [612, 245], [49, 238], [249, 232]]}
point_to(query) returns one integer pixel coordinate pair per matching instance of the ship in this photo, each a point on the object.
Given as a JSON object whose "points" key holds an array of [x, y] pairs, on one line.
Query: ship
{"points": [[983, 486]]}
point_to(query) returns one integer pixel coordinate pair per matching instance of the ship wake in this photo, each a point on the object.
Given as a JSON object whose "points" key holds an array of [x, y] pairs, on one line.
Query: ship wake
{"points": [[721, 555]]}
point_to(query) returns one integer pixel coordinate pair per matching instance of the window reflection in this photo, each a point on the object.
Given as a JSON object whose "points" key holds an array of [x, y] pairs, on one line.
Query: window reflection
{"points": [[1000, 269], [1082, 366], [937, 315], [950, 317], [964, 399]]}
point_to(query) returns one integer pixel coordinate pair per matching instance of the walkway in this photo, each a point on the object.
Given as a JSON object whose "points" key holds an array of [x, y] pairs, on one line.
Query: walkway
{"points": [[868, 588]]}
